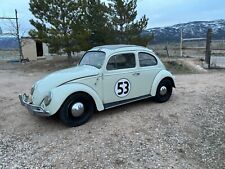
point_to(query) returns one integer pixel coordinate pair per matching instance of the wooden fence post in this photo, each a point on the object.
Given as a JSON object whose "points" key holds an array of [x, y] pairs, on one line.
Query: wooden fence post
{"points": [[167, 50], [208, 47]]}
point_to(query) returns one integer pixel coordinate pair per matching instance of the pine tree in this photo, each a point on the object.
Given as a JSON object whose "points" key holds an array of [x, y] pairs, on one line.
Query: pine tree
{"points": [[75, 25], [59, 23], [126, 28], [97, 21]]}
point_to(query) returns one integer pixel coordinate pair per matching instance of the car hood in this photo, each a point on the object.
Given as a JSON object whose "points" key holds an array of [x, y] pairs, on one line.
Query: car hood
{"points": [[43, 86]]}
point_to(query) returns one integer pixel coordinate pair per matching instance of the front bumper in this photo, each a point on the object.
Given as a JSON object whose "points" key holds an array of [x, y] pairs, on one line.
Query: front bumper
{"points": [[36, 110]]}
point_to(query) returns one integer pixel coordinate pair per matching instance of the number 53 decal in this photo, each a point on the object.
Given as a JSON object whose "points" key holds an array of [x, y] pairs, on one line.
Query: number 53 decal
{"points": [[122, 88]]}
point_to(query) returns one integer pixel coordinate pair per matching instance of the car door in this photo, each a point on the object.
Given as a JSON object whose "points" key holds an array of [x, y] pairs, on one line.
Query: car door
{"points": [[120, 78]]}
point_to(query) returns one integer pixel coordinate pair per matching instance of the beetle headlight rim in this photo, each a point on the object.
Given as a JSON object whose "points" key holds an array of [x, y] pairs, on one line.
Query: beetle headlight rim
{"points": [[32, 90], [48, 99]]}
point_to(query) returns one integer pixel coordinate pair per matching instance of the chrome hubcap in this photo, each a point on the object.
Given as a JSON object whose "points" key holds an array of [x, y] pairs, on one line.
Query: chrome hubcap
{"points": [[77, 109], [163, 90]]}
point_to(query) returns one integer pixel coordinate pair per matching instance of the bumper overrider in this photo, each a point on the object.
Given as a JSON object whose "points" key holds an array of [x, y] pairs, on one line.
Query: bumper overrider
{"points": [[36, 110]]}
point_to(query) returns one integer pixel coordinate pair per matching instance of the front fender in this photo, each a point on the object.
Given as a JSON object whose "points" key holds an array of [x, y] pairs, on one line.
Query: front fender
{"points": [[60, 94], [161, 75]]}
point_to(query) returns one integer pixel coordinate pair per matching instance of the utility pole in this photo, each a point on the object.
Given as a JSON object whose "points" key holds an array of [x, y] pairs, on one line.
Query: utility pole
{"points": [[18, 37], [181, 42], [17, 33]]}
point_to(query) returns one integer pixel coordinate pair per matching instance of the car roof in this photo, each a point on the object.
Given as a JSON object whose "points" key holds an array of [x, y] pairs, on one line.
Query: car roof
{"points": [[118, 48]]}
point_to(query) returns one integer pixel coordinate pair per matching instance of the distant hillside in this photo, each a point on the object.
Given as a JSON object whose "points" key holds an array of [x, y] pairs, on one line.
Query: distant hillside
{"points": [[8, 42], [197, 29]]}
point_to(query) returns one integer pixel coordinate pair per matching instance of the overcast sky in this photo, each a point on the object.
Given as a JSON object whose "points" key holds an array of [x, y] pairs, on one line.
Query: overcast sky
{"points": [[159, 12]]}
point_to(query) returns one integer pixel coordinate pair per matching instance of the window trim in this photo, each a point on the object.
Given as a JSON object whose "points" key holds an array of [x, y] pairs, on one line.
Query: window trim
{"points": [[90, 52], [133, 53], [150, 55]]}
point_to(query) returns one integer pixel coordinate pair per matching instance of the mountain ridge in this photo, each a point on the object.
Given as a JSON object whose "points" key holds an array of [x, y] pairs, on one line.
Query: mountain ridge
{"points": [[194, 29], [8, 43]]}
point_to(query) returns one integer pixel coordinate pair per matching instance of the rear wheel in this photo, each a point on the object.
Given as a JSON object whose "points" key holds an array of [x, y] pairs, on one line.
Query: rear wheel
{"points": [[77, 109], [164, 91]]}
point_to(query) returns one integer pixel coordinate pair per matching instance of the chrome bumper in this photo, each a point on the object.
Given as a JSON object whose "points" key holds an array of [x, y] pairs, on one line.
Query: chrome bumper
{"points": [[36, 110]]}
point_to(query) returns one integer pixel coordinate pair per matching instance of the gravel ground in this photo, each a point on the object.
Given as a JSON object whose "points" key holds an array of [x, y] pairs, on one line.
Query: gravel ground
{"points": [[186, 132]]}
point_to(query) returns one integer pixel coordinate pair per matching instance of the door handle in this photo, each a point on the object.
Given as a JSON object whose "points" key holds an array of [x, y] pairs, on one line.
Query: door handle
{"points": [[136, 73]]}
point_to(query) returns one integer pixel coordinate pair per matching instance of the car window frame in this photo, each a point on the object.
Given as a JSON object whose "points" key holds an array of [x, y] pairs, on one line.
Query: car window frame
{"points": [[127, 52], [148, 54], [94, 51]]}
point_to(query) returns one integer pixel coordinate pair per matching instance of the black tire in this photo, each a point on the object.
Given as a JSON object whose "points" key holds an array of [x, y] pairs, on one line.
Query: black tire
{"points": [[160, 98], [65, 113]]}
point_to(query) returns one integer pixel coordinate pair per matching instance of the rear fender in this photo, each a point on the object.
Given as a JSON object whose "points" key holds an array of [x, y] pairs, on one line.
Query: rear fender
{"points": [[159, 77]]}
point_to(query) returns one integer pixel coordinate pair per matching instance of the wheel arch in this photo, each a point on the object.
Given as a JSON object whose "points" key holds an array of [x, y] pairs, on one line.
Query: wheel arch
{"points": [[60, 94], [82, 93], [163, 74], [170, 79]]}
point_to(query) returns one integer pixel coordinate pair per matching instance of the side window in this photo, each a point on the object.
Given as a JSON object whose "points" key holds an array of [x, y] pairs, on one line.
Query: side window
{"points": [[121, 61], [146, 59]]}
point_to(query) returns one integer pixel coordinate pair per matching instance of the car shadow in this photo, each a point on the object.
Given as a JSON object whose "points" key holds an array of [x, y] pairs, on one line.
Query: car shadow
{"points": [[54, 123], [122, 108], [50, 123]]}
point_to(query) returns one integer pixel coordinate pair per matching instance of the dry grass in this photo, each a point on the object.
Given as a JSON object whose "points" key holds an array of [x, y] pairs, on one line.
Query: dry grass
{"points": [[176, 66], [190, 49]]}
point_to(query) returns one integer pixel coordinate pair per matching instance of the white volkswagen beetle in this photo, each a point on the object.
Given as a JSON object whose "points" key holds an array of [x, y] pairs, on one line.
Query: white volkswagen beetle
{"points": [[107, 76]]}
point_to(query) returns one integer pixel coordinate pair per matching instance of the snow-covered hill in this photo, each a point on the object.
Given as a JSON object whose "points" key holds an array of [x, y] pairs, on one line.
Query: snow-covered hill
{"points": [[197, 29], [8, 42]]}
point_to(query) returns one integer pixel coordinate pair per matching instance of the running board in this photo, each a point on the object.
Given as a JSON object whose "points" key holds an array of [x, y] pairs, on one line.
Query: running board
{"points": [[119, 103]]}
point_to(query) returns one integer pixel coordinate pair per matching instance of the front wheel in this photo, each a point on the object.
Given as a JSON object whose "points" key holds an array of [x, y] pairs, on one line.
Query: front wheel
{"points": [[164, 91], [76, 110]]}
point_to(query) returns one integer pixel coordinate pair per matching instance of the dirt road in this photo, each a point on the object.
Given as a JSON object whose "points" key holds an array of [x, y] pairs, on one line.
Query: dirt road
{"points": [[186, 132]]}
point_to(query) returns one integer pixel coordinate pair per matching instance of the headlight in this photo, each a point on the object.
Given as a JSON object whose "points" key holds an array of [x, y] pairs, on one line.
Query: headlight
{"points": [[32, 90], [48, 99]]}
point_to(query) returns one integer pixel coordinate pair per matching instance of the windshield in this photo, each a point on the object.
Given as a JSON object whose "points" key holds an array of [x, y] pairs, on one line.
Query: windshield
{"points": [[93, 58]]}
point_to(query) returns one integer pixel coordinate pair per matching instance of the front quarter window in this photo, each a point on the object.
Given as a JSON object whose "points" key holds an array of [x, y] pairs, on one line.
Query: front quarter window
{"points": [[93, 58]]}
